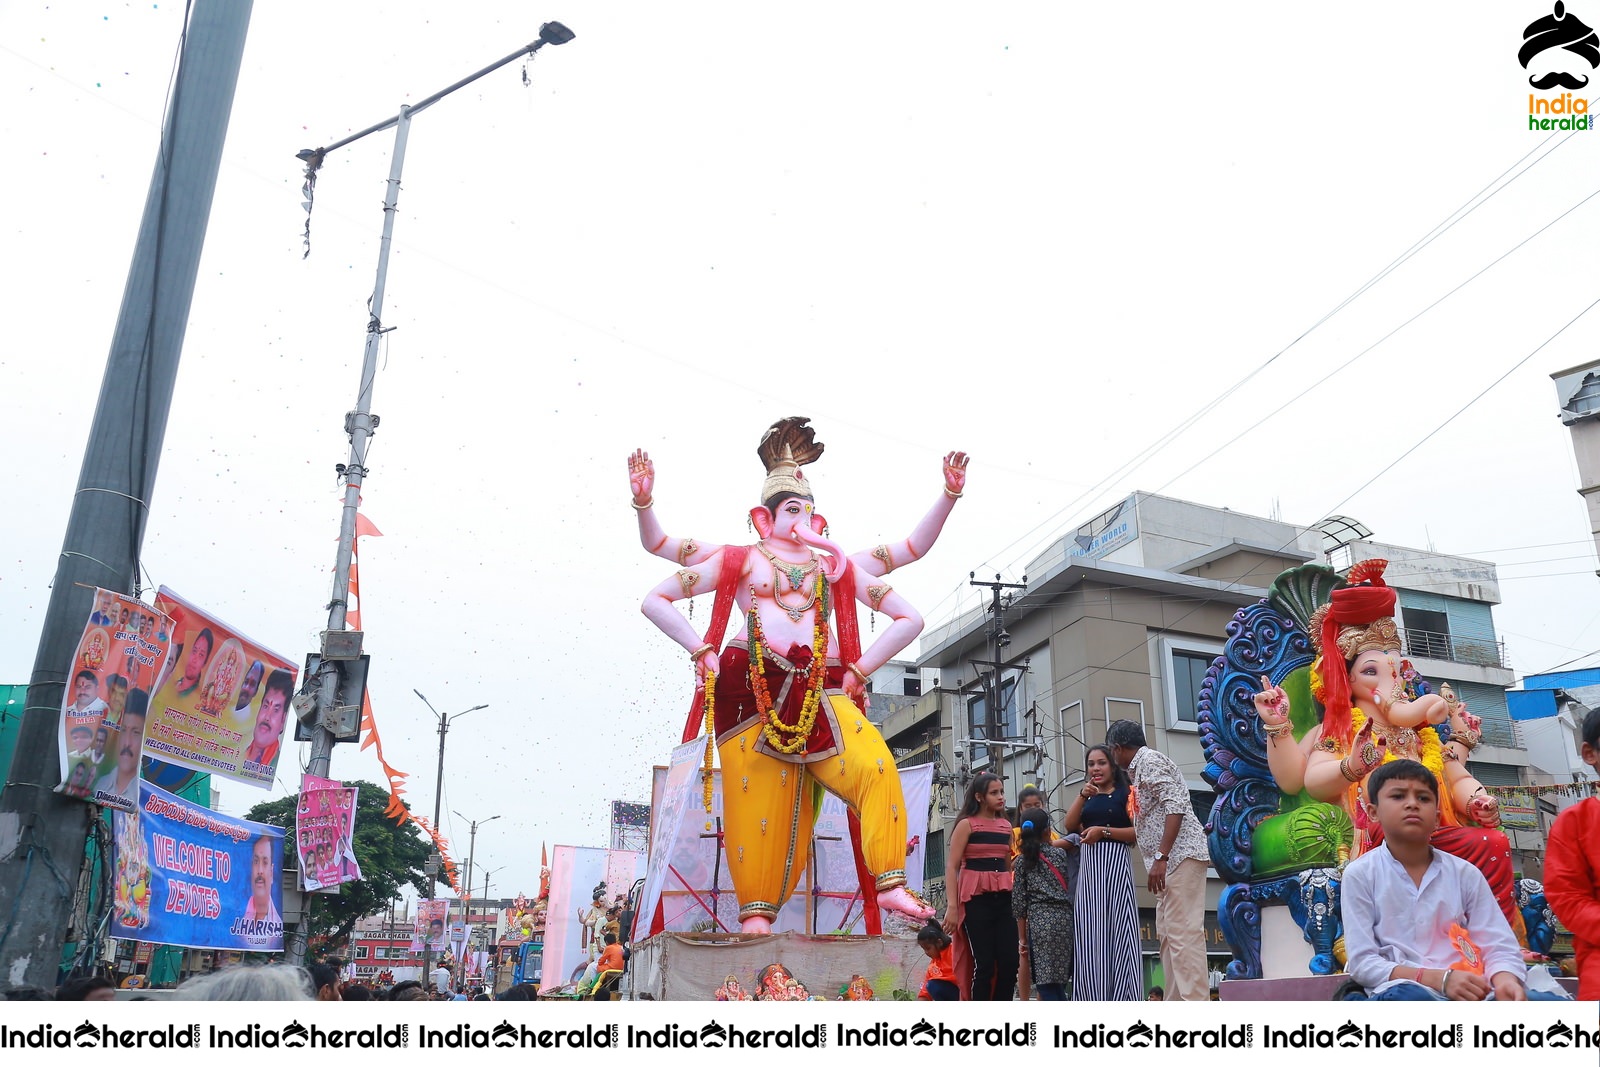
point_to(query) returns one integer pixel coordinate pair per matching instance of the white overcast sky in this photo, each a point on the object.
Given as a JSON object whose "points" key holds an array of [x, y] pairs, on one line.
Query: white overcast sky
{"points": [[1044, 233]]}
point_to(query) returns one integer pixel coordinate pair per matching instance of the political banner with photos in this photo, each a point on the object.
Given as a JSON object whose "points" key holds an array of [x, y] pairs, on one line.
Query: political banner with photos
{"points": [[186, 875], [325, 826], [117, 663], [429, 931], [223, 701]]}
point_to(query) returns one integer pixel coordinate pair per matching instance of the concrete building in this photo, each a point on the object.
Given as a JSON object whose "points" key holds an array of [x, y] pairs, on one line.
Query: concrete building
{"points": [[1122, 617], [1578, 393]]}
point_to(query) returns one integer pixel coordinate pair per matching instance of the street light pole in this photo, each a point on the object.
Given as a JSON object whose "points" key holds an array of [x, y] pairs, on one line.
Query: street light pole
{"points": [[360, 422], [438, 797], [486, 875], [494, 932], [472, 852]]}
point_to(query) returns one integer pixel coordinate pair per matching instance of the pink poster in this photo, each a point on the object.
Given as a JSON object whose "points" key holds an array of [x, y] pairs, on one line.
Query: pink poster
{"points": [[325, 827]]}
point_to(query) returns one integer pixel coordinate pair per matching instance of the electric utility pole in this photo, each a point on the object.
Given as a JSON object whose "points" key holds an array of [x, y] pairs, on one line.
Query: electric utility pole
{"points": [[42, 833], [992, 679]]}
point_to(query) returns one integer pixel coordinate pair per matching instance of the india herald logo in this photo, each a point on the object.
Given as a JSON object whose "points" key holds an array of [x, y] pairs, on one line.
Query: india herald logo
{"points": [[1557, 40]]}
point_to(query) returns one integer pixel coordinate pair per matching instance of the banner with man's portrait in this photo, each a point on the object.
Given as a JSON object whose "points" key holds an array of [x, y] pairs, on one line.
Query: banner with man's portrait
{"points": [[223, 701], [116, 666], [430, 929], [186, 875]]}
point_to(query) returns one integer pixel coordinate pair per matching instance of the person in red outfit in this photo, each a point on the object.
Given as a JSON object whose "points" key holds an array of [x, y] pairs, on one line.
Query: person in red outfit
{"points": [[1572, 870]]}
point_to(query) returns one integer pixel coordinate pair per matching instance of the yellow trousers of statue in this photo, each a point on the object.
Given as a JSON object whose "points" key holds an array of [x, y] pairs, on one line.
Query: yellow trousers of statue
{"points": [[769, 806]]}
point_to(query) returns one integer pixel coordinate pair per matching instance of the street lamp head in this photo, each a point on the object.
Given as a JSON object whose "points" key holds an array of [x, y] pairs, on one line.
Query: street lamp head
{"points": [[555, 33]]}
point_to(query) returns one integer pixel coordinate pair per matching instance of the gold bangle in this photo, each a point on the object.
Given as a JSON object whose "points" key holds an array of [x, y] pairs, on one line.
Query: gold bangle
{"points": [[953, 496], [1344, 769], [855, 670], [646, 506], [699, 653], [1277, 729]]}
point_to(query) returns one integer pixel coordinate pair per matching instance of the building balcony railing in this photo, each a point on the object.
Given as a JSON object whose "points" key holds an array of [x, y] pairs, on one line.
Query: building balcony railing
{"points": [[1426, 643], [1502, 733]]}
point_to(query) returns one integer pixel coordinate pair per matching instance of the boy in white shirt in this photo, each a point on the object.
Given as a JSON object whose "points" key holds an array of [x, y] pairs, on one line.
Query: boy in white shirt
{"points": [[1401, 900]]}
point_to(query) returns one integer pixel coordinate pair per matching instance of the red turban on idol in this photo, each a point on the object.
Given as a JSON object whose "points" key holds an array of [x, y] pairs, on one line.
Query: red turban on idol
{"points": [[1353, 605]]}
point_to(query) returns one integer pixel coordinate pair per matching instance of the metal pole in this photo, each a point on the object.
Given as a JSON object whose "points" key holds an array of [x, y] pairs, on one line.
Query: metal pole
{"points": [[359, 423], [42, 833], [466, 908], [472, 853], [438, 795]]}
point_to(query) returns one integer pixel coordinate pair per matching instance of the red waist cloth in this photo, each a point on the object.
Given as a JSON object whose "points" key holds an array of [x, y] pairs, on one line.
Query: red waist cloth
{"points": [[736, 703]]}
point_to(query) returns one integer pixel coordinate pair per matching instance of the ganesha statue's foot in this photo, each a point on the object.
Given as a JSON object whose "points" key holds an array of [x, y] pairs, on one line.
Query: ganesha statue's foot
{"points": [[905, 902], [756, 924]]}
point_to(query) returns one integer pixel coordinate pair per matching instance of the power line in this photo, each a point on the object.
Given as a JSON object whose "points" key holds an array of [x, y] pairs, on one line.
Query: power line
{"points": [[1280, 409], [1481, 197], [1143, 645], [1486, 389]]}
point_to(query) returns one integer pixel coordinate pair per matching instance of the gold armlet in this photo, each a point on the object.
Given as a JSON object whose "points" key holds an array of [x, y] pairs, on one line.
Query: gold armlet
{"points": [[875, 595], [884, 556], [686, 549], [686, 581]]}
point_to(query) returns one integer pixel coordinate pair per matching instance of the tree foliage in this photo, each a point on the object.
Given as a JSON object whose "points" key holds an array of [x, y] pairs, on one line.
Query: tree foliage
{"points": [[391, 855]]}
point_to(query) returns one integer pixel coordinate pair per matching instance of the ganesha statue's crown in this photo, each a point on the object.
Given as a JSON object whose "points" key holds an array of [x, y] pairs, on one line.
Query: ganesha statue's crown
{"points": [[785, 447], [1381, 635], [1362, 614]]}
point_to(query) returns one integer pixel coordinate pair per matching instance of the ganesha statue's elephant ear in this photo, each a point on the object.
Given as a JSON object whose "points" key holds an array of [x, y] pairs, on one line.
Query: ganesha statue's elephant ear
{"points": [[1261, 839]]}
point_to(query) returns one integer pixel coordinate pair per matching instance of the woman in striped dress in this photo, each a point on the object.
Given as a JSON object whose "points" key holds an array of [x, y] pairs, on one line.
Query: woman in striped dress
{"points": [[978, 882], [1105, 911]]}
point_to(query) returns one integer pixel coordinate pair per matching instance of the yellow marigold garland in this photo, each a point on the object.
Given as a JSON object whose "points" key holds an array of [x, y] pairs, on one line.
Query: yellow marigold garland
{"points": [[1431, 757], [711, 736], [773, 728]]}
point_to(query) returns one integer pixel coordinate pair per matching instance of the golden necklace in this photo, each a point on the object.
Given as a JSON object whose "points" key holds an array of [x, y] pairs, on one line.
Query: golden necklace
{"points": [[798, 575]]}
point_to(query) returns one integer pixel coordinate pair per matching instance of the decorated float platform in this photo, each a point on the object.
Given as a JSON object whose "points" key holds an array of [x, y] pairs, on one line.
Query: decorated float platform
{"points": [[695, 966]]}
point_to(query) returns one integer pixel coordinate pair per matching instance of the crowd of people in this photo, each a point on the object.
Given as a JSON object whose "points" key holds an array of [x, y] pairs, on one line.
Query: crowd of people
{"points": [[1034, 911], [319, 981]]}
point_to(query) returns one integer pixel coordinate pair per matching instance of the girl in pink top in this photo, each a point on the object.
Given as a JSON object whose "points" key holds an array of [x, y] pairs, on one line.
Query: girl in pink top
{"points": [[978, 881]]}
